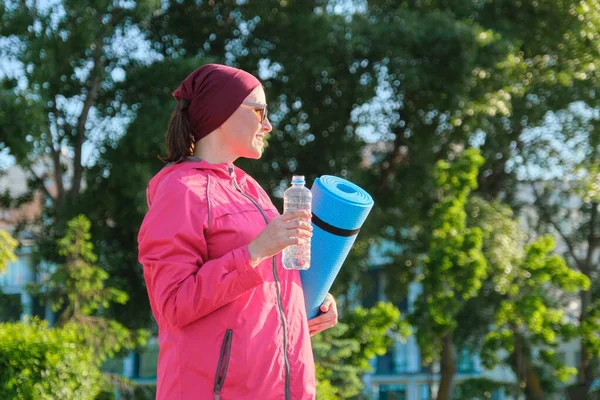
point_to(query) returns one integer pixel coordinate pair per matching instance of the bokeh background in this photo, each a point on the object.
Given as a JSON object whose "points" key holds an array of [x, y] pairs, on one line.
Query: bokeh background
{"points": [[472, 123]]}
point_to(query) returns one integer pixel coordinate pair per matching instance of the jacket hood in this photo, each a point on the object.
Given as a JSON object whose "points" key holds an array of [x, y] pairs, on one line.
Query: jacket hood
{"points": [[223, 171]]}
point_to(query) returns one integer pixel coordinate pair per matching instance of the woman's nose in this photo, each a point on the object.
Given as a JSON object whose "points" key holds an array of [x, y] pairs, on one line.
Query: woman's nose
{"points": [[266, 126]]}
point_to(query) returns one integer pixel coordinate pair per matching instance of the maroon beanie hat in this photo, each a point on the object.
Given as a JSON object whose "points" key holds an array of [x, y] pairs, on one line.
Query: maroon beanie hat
{"points": [[214, 91]]}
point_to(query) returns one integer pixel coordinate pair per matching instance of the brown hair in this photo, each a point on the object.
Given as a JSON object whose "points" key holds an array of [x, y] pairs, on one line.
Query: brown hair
{"points": [[180, 134]]}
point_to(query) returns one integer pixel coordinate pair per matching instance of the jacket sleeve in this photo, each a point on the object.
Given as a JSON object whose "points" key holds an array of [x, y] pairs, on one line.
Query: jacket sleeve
{"points": [[182, 283]]}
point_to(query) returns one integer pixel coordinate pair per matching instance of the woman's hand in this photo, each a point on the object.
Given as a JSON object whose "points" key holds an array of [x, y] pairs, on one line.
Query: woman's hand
{"points": [[327, 320], [293, 227]]}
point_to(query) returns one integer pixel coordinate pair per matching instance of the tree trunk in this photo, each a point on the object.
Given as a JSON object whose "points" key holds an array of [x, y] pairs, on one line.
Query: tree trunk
{"points": [[534, 386], [526, 374], [518, 367], [587, 267], [448, 368], [430, 380], [388, 167], [585, 373], [584, 377], [80, 135]]}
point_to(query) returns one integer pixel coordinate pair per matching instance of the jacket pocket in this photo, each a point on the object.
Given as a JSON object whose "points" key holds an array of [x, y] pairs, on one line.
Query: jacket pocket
{"points": [[223, 363]]}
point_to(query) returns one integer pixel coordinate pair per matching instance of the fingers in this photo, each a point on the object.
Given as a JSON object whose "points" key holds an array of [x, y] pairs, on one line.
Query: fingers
{"points": [[327, 320], [327, 303], [288, 215], [322, 322], [298, 229], [295, 240], [329, 317], [291, 228], [302, 223], [301, 233], [322, 319], [320, 328]]}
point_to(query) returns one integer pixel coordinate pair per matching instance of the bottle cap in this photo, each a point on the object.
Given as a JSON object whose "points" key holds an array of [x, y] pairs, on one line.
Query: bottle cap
{"points": [[297, 179]]}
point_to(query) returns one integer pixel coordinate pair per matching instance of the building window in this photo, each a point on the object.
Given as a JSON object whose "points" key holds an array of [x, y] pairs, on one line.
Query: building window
{"points": [[402, 305], [392, 392], [148, 361], [10, 307], [401, 358], [424, 392], [17, 274], [465, 362], [498, 394], [385, 364], [561, 357], [371, 298]]}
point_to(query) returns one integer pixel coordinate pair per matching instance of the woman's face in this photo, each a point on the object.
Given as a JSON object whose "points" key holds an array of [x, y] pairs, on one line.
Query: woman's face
{"points": [[243, 132]]}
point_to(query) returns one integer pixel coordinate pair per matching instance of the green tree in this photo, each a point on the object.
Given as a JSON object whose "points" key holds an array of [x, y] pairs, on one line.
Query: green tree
{"points": [[342, 353], [522, 60], [77, 289], [66, 55], [531, 318], [9, 305], [565, 204], [7, 250], [503, 248], [513, 85], [454, 268], [39, 362], [479, 388]]}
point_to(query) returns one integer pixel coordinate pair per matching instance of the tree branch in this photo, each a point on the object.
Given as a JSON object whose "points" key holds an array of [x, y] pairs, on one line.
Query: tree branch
{"points": [[546, 215], [387, 167], [93, 88], [60, 187], [58, 175], [40, 181], [592, 238]]}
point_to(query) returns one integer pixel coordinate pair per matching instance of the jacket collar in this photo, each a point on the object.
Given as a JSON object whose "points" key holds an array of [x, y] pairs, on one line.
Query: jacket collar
{"points": [[225, 169]]}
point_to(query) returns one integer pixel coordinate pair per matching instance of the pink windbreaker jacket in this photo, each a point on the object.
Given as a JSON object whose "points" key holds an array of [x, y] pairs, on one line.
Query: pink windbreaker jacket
{"points": [[226, 330]]}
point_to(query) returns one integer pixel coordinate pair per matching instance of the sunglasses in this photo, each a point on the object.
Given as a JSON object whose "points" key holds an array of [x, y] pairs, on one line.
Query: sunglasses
{"points": [[261, 109]]}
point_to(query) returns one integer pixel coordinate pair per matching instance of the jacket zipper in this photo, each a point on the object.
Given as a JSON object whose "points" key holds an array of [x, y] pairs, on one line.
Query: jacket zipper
{"points": [[223, 363], [279, 300]]}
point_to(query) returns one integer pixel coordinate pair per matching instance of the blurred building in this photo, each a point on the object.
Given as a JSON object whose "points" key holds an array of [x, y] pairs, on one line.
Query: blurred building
{"points": [[15, 302]]}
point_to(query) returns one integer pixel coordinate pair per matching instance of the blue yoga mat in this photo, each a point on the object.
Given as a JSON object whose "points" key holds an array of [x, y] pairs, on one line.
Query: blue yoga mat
{"points": [[339, 209]]}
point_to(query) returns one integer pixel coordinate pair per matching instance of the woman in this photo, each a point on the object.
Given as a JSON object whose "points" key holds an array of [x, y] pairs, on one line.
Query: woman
{"points": [[232, 321]]}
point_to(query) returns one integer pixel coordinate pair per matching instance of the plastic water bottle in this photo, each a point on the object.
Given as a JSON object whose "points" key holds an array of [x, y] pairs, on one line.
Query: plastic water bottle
{"points": [[297, 197]]}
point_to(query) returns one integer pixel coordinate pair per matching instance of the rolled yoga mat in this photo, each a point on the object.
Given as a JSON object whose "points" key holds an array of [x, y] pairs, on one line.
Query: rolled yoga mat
{"points": [[339, 209]]}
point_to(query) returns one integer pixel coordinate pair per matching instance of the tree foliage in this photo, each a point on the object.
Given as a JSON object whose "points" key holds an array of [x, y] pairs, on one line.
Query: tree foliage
{"points": [[39, 362], [77, 289], [377, 92], [454, 268], [67, 55], [530, 316], [342, 353], [8, 246]]}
